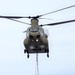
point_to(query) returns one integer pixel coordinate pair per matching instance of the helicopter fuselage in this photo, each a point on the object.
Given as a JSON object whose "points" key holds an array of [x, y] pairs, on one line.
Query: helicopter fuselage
{"points": [[36, 40]]}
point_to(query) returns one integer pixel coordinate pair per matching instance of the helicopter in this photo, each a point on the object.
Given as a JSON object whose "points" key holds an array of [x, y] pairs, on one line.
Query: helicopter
{"points": [[36, 40]]}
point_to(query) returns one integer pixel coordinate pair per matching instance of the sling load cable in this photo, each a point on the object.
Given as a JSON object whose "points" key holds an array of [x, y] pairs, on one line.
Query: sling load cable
{"points": [[37, 65]]}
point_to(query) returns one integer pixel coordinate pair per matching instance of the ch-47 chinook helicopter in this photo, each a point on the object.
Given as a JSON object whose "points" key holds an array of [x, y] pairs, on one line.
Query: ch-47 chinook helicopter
{"points": [[36, 40]]}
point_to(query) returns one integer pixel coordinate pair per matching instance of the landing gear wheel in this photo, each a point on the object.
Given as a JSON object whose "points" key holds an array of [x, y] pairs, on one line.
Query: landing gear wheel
{"points": [[25, 51], [27, 55], [48, 55]]}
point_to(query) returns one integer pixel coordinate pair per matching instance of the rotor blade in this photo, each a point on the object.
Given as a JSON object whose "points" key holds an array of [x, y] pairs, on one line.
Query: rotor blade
{"points": [[24, 31], [17, 17], [57, 10], [45, 18], [57, 23], [18, 21]]}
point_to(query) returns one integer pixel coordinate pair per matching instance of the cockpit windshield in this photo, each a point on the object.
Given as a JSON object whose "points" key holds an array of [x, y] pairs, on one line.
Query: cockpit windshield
{"points": [[40, 30], [34, 29]]}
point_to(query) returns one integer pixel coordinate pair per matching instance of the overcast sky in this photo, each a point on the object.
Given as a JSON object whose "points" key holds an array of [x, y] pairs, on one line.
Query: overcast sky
{"points": [[61, 38]]}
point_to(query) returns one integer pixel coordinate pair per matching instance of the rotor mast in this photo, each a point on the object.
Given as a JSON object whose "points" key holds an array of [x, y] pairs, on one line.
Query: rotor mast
{"points": [[34, 23]]}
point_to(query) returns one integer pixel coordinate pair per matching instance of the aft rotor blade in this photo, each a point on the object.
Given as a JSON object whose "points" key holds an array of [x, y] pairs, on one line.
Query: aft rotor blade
{"points": [[45, 18], [57, 10], [57, 23], [13, 19], [17, 17]]}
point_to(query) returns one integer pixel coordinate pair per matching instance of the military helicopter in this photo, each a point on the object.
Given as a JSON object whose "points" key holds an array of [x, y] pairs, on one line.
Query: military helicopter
{"points": [[36, 40]]}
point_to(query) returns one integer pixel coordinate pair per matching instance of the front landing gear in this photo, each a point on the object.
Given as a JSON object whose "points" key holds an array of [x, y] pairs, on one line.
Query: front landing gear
{"points": [[25, 50]]}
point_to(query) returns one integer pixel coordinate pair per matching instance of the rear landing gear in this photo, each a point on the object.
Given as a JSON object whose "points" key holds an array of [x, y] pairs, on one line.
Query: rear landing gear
{"points": [[25, 51], [48, 55], [47, 51], [27, 55]]}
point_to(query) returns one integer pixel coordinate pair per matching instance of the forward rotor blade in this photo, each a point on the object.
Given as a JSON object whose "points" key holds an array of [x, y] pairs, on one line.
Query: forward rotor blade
{"points": [[57, 10], [57, 23], [18, 21]]}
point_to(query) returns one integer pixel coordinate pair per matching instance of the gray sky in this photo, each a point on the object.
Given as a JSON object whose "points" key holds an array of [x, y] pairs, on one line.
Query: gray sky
{"points": [[61, 38]]}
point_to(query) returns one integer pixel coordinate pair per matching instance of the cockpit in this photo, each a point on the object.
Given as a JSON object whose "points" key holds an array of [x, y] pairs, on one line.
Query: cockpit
{"points": [[41, 31]]}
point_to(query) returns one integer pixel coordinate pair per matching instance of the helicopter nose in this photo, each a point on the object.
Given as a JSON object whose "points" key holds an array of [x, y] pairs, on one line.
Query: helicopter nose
{"points": [[30, 36]]}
